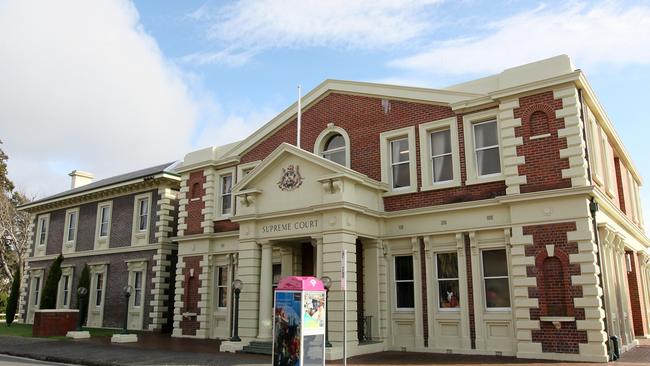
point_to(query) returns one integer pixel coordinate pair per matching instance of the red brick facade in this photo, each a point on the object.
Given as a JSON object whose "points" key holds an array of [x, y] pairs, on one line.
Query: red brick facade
{"points": [[191, 296], [195, 203], [554, 289], [54, 323], [639, 320], [225, 225], [543, 167]]}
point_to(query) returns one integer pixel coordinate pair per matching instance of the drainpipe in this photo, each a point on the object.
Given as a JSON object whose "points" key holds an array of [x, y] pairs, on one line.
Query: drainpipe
{"points": [[593, 208]]}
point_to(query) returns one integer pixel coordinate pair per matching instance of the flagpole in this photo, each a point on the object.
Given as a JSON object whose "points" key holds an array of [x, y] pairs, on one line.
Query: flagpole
{"points": [[299, 116]]}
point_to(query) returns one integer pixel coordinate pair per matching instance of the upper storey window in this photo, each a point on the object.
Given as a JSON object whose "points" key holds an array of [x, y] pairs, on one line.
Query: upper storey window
{"points": [[439, 156], [482, 147], [486, 144], [143, 213], [333, 144], [104, 220], [398, 168], [400, 161], [334, 149], [43, 222], [226, 195]]}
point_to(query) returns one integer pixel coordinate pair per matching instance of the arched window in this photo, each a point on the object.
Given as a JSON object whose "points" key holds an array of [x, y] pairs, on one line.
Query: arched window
{"points": [[196, 190], [334, 149]]}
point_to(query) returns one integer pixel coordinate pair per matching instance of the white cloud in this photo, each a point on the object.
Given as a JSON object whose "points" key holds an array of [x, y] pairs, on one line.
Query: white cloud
{"points": [[245, 28], [84, 87], [604, 33]]}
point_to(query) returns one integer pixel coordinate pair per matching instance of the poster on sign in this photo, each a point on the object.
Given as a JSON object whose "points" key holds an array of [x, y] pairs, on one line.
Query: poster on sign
{"points": [[313, 308], [287, 329]]}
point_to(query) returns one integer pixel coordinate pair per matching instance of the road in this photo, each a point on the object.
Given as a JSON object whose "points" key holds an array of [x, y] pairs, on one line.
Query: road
{"points": [[11, 361]]}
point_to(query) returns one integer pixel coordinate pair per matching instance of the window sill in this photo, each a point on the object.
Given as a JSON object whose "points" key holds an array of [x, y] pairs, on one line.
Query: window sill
{"points": [[397, 192], [557, 318], [537, 137]]}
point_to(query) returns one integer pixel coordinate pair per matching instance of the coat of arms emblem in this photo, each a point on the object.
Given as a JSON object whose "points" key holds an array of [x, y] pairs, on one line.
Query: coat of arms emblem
{"points": [[291, 178]]}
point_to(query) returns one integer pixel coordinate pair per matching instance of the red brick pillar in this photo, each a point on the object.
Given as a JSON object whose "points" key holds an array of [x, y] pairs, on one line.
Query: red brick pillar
{"points": [[639, 320]]}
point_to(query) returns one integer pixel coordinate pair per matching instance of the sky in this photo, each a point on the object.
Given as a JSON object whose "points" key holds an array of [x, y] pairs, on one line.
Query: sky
{"points": [[110, 86]]}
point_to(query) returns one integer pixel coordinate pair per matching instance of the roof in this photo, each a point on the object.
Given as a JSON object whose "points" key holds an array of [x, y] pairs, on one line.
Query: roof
{"points": [[162, 168]]}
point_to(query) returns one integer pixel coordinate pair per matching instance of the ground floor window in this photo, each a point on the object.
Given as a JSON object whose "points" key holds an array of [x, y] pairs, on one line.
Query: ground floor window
{"points": [[37, 290], [277, 274], [404, 284], [495, 277], [221, 286], [137, 288], [447, 271], [99, 287], [65, 289]]}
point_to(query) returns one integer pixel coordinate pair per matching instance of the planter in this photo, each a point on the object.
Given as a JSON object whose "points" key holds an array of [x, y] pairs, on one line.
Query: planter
{"points": [[54, 322]]}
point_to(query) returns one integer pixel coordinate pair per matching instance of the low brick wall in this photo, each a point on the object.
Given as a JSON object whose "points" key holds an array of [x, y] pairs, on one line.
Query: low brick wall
{"points": [[55, 322]]}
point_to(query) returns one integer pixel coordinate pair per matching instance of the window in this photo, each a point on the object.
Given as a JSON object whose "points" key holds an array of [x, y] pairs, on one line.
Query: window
{"points": [[143, 213], [137, 288], [99, 287], [441, 158], [486, 146], [334, 149], [277, 274], [495, 277], [196, 191], [404, 284], [226, 195], [37, 290], [104, 217], [447, 270], [42, 230], [400, 163], [221, 286], [65, 290], [72, 226]]}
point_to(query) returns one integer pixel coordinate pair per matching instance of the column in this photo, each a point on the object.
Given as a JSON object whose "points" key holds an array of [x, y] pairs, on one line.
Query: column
{"points": [[287, 262], [318, 241], [248, 271], [266, 292]]}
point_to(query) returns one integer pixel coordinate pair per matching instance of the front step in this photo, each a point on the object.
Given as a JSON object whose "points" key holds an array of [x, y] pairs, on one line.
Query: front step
{"points": [[260, 348]]}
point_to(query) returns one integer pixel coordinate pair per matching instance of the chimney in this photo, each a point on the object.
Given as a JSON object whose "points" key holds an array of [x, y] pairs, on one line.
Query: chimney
{"points": [[80, 178]]}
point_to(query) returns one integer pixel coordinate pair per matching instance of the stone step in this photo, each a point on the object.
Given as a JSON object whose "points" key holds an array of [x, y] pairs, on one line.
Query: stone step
{"points": [[261, 348]]}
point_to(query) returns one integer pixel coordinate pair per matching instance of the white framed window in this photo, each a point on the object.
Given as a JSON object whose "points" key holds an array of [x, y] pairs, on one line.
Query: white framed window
{"points": [[496, 282], [225, 194], [482, 147], [221, 287], [448, 282], [333, 144], [137, 289], [36, 285], [439, 154], [404, 282], [143, 213], [43, 224], [99, 289], [71, 220], [103, 224], [398, 166]]}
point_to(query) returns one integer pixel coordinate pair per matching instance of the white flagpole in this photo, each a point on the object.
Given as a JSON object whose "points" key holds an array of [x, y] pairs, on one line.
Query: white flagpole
{"points": [[299, 115]]}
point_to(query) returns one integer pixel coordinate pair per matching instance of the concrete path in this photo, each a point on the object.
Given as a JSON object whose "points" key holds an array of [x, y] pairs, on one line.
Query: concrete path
{"points": [[19, 361]]}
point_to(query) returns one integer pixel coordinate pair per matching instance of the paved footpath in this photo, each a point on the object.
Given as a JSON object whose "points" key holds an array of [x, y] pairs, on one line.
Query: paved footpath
{"points": [[100, 354]]}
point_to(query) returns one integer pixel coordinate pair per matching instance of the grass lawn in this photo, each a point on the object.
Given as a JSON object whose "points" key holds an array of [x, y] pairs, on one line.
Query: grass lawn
{"points": [[25, 330]]}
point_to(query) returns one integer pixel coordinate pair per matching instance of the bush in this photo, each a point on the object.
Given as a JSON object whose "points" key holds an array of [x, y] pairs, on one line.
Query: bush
{"points": [[12, 304], [84, 281], [48, 298]]}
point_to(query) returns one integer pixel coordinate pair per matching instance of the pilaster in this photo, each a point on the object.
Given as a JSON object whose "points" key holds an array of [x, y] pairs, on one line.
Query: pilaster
{"points": [[182, 204], [572, 131], [209, 199], [511, 161]]}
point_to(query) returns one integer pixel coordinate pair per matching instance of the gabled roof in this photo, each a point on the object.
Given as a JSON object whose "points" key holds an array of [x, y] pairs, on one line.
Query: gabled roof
{"points": [[122, 178], [337, 169]]}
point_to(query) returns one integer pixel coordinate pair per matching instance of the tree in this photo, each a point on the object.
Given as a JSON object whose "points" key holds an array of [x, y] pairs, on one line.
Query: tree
{"points": [[5, 183], [48, 297], [84, 281], [12, 304]]}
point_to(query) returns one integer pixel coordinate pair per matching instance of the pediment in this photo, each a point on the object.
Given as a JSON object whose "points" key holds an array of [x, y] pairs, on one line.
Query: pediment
{"points": [[291, 178]]}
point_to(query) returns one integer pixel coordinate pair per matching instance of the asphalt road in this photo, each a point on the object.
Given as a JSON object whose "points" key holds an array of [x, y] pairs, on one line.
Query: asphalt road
{"points": [[11, 361]]}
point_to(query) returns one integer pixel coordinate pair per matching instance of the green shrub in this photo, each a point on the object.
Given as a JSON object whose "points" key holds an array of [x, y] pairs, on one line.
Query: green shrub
{"points": [[12, 304], [84, 281], [48, 298]]}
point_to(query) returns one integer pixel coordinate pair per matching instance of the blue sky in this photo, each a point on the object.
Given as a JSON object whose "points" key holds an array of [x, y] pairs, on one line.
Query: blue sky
{"points": [[86, 81]]}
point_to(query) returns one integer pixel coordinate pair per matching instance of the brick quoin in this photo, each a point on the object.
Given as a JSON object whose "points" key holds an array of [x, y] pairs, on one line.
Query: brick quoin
{"points": [[191, 285], [636, 297], [543, 167], [555, 290], [195, 203], [363, 119]]}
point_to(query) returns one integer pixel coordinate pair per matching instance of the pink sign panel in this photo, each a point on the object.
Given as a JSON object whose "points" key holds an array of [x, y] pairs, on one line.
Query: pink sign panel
{"points": [[301, 283]]}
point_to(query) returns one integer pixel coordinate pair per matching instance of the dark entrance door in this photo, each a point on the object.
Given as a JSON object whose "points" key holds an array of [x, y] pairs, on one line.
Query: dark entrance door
{"points": [[307, 252], [361, 316]]}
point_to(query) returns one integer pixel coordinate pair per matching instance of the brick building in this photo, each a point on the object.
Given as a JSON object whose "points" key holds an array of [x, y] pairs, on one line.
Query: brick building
{"points": [[121, 227], [500, 215]]}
